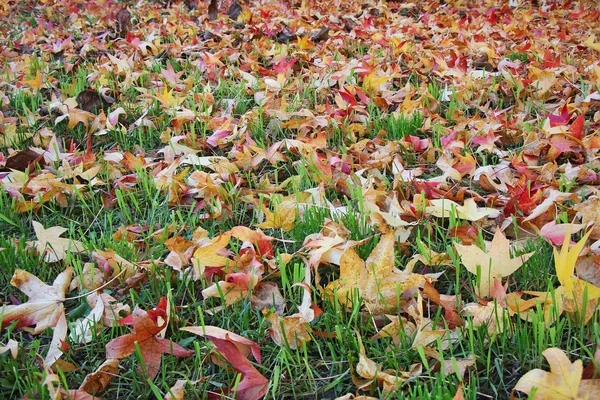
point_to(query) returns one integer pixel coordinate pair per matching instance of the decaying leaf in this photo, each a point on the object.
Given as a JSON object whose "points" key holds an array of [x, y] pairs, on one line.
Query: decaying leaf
{"points": [[98, 381], [369, 372]]}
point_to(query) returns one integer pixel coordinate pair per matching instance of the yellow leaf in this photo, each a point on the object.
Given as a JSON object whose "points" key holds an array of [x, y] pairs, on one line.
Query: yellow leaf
{"points": [[565, 268], [562, 382], [377, 281], [495, 263], [52, 245], [373, 84], [591, 43], [167, 99], [208, 256], [304, 42], [284, 216], [35, 83]]}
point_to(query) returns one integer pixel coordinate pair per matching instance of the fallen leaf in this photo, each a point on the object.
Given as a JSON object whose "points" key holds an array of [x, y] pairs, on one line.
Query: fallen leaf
{"points": [[12, 346], [235, 349], [562, 382], [52, 245], [377, 281], [496, 263], [98, 381], [146, 337], [45, 308], [284, 216]]}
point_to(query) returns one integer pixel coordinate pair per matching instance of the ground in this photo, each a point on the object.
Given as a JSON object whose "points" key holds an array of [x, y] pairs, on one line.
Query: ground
{"points": [[372, 198]]}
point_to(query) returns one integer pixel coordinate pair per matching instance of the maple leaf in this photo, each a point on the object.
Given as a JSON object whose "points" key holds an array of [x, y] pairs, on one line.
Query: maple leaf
{"points": [[170, 75], [562, 382], [35, 83], [565, 268], [45, 308], [167, 100], [377, 280], [495, 263], [235, 349], [146, 336], [373, 84], [210, 255], [575, 292], [468, 212], [284, 216], [52, 245]]}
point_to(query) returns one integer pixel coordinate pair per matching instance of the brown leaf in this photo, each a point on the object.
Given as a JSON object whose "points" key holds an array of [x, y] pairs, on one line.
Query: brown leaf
{"points": [[123, 22], [25, 160], [91, 101], [483, 63], [266, 295], [99, 380], [234, 10], [213, 10]]}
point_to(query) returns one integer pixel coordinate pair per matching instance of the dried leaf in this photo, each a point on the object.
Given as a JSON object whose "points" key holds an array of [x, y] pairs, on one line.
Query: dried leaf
{"points": [[562, 382], [146, 337], [496, 263]]}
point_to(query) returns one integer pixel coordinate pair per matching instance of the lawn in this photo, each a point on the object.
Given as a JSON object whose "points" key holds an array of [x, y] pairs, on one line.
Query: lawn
{"points": [[299, 199]]}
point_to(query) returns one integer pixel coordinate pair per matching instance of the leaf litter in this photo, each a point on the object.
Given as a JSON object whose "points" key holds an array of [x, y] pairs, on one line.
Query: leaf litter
{"points": [[478, 121]]}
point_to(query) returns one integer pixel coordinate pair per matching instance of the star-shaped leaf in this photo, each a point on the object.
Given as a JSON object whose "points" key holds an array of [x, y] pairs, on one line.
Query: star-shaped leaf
{"points": [[44, 309], [147, 329], [52, 245], [495, 263]]}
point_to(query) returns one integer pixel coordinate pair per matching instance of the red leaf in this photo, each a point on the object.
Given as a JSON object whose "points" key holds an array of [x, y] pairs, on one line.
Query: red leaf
{"points": [[253, 385], [146, 336], [235, 349]]}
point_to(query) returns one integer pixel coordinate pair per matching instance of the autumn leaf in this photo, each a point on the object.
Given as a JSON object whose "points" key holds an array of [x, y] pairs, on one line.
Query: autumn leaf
{"points": [[370, 372], [147, 328], [235, 349], [562, 382], [495, 263], [52, 245], [372, 84], [565, 261], [468, 212], [576, 294], [45, 308], [283, 217], [377, 280], [11, 346], [210, 254], [99, 380]]}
